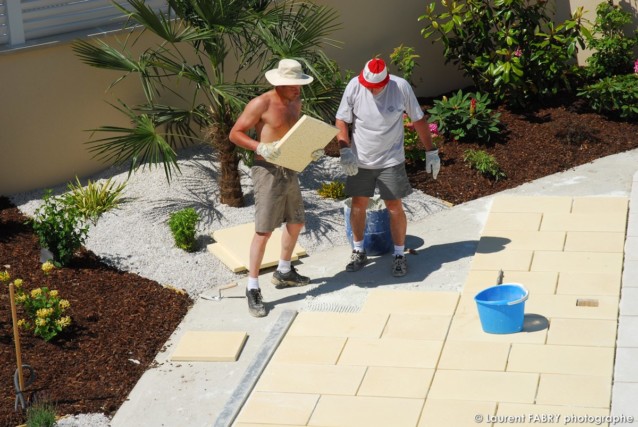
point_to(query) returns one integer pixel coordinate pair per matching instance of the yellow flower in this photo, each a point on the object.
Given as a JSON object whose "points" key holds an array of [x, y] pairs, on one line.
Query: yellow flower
{"points": [[20, 298], [17, 283], [48, 266], [36, 293], [41, 322], [64, 304], [22, 323], [53, 293], [42, 313], [4, 276], [63, 322]]}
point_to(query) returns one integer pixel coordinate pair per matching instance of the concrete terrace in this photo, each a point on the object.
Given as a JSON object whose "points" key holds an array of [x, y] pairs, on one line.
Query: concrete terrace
{"points": [[365, 349]]}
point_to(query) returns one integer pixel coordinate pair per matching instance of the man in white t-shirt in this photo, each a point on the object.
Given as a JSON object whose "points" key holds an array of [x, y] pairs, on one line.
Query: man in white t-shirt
{"points": [[370, 123]]}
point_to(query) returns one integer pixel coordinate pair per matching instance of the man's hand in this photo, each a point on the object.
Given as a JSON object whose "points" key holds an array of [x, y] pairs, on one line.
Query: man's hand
{"points": [[348, 162], [317, 154], [268, 150], [432, 162]]}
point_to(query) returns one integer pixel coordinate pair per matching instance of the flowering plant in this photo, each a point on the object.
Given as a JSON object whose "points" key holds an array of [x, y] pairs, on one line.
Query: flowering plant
{"points": [[44, 309], [437, 138], [413, 149], [636, 66]]}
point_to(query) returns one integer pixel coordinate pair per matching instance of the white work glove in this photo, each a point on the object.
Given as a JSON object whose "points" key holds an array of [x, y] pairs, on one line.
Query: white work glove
{"points": [[432, 162], [268, 150], [317, 154], [348, 162]]}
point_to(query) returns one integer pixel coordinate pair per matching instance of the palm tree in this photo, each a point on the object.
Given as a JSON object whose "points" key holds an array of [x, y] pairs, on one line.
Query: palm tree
{"points": [[199, 42]]}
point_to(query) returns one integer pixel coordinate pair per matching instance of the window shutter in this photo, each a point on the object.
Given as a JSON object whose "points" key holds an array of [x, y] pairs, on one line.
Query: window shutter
{"points": [[45, 18]]}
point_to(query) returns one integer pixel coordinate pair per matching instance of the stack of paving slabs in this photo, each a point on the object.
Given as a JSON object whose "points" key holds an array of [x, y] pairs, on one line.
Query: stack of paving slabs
{"points": [[232, 247], [421, 359]]}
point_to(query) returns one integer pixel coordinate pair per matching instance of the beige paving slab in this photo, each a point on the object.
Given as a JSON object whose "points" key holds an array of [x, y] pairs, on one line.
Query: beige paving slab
{"points": [[594, 262], [576, 390], [474, 355], [435, 303], [278, 408], [540, 204], [309, 350], [327, 324], [584, 332], [566, 306], [589, 283], [552, 415], [561, 359], [320, 379], [467, 327], [383, 381], [600, 204], [364, 411], [395, 352], [521, 240], [209, 346], [592, 241], [516, 260], [484, 385], [417, 327], [497, 221], [543, 282], [457, 413], [614, 222], [265, 425]]}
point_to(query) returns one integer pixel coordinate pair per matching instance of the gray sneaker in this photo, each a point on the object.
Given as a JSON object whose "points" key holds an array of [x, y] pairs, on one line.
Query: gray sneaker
{"points": [[255, 303], [399, 266], [290, 279], [357, 261]]}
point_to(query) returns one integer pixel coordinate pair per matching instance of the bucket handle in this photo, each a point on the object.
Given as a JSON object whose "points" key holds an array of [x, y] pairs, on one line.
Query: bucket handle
{"points": [[520, 300]]}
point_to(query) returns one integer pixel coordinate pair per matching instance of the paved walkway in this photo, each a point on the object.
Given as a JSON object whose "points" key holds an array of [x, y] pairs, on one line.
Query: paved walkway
{"points": [[433, 361]]}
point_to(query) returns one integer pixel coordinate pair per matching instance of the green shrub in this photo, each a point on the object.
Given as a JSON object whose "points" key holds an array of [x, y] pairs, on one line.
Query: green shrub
{"points": [[94, 199], [41, 414], [613, 50], [485, 163], [182, 224], [332, 190], [616, 96], [511, 49], [403, 57], [61, 228], [465, 116]]}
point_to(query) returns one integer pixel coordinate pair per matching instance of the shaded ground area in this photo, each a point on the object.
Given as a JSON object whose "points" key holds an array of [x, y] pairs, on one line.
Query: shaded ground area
{"points": [[121, 319]]}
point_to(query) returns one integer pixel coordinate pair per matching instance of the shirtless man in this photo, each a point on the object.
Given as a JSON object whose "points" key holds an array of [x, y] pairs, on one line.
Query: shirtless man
{"points": [[277, 192]]}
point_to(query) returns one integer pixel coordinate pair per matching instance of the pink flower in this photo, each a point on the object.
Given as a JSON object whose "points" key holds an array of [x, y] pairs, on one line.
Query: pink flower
{"points": [[434, 129], [636, 66], [518, 52], [407, 124]]}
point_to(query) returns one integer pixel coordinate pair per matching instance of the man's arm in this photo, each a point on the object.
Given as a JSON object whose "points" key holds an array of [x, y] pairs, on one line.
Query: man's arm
{"points": [[343, 137], [423, 131], [248, 119]]}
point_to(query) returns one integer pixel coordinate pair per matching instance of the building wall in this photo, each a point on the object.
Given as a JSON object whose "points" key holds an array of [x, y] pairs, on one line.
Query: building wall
{"points": [[49, 98]]}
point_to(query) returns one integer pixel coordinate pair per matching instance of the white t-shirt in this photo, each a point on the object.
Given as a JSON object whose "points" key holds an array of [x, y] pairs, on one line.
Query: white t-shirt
{"points": [[377, 121]]}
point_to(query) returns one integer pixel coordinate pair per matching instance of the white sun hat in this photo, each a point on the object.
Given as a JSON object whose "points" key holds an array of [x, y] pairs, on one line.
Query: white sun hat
{"points": [[288, 73]]}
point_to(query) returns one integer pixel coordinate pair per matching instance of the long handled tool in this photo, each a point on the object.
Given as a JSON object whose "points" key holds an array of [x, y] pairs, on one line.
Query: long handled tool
{"points": [[18, 376], [219, 296]]}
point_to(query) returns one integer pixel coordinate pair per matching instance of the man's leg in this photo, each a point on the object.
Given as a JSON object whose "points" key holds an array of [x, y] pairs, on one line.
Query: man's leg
{"points": [[398, 228], [286, 274], [358, 215], [256, 305]]}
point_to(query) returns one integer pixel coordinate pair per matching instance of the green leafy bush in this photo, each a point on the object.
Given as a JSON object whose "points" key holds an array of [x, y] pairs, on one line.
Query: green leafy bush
{"points": [[404, 58], [182, 224], [332, 190], [511, 49], [616, 96], [485, 163], [94, 199], [613, 50], [61, 228], [465, 116]]}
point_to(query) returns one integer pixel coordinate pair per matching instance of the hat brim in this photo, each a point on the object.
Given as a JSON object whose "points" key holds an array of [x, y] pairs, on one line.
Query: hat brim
{"points": [[275, 79], [371, 85]]}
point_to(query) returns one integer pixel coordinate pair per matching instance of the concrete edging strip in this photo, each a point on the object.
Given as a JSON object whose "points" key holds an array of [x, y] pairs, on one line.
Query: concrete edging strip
{"points": [[257, 366]]}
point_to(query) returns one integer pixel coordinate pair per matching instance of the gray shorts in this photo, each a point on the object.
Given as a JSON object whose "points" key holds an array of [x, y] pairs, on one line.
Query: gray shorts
{"points": [[392, 182], [277, 196]]}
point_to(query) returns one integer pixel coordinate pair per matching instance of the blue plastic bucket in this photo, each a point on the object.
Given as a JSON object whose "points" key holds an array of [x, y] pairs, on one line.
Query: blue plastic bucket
{"points": [[377, 238], [501, 308]]}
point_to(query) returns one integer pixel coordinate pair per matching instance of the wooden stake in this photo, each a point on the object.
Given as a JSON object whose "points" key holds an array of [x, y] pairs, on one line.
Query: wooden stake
{"points": [[16, 335]]}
